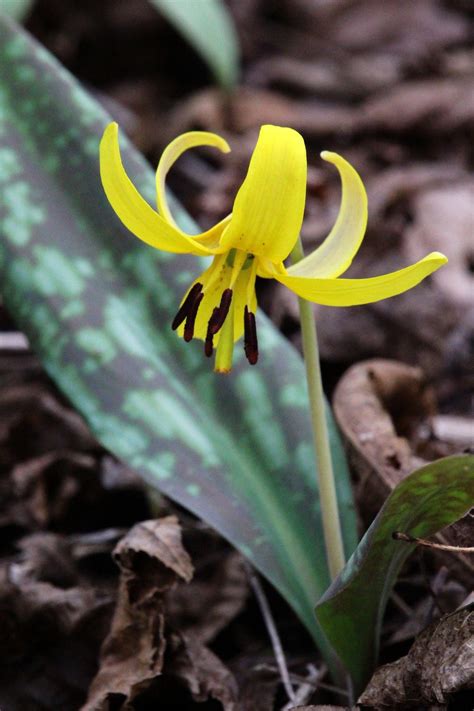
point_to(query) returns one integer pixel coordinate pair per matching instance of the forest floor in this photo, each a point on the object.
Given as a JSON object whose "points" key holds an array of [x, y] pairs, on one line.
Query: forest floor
{"points": [[390, 85]]}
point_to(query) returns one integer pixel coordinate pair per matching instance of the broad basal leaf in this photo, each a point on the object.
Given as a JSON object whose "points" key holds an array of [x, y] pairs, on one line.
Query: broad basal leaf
{"points": [[17, 9], [97, 305], [351, 610], [209, 28]]}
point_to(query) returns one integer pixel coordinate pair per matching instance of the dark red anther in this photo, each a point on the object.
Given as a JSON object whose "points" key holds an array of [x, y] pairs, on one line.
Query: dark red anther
{"points": [[186, 306], [219, 314], [250, 337], [191, 318], [208, 343]]}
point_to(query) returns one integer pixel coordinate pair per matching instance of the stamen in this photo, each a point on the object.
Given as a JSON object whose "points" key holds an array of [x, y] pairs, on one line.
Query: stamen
{"points": [[191, 318], [186, 306], [250, 337], [220, 313], [208, 343]]}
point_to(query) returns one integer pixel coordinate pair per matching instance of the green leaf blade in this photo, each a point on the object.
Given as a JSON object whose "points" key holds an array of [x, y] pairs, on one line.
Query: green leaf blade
{"points": [[351, 611], [209, 28], [96, 305], [17, 9]]}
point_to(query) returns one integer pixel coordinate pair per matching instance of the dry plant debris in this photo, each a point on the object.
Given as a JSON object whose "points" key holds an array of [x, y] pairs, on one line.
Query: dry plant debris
{"points": [[390, 86], [439, 665]]}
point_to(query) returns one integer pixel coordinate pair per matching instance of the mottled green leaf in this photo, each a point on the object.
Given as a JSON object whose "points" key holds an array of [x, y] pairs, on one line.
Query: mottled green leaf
{"points": [[351, 610], [17, 9], [209, 28], [97, 305]]}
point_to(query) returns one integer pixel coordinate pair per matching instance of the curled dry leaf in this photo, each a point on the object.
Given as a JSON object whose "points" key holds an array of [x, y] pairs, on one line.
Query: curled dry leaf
{"points": [[379, 406], [139, 656], [439, 664], [151, 560], [367, 401]]}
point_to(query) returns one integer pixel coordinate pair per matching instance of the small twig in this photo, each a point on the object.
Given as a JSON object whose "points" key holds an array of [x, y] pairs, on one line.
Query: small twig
{"points": [[272, 632], [306, 688], [298, 679], [13, 341], [399, 536]]}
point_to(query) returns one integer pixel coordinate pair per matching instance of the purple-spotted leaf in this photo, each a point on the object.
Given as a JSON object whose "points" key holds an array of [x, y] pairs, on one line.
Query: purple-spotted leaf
{"points": [[351, 611], [97, 305]]}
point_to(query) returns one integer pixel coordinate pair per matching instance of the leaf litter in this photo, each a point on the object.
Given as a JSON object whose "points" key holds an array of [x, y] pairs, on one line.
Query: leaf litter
{"points": [[389, 86]]}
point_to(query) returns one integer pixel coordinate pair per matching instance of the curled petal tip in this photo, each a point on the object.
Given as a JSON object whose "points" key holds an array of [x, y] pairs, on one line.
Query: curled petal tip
{"points": [[329, 156], [111, 128], [438, 257]]}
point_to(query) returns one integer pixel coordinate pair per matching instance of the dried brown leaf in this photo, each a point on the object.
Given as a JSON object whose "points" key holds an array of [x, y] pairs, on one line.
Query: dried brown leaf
{"points": [[50, 634], [408, 30], [152, 561], [220, 588], [324, 707], [444, 220], [439, 664], [199, 671], [258, 687], [430, 106], [367, 399], [379, 406]]}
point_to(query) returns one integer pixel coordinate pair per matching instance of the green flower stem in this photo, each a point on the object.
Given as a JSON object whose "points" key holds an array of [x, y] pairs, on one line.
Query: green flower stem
{"points": [[327, 488]]}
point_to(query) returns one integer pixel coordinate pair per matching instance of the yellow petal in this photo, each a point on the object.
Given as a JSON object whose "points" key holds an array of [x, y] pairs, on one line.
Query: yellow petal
{"points": [[171, 154], [268, 209], [136, 214], [352, 292], [336, 253]]}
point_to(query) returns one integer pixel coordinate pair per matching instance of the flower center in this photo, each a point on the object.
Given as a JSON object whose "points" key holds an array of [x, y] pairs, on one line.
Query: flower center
{"points": [[224, 295]]}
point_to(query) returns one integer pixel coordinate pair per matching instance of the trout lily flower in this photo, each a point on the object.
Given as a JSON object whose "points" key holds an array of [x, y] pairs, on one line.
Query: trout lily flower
{"points": [[255, 239]]}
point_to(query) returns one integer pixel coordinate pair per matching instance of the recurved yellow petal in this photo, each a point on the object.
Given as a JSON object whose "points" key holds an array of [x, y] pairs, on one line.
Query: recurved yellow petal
{"points": [[268, 209], [336, 253], [135, 213], [353, 292], [170, 155]]}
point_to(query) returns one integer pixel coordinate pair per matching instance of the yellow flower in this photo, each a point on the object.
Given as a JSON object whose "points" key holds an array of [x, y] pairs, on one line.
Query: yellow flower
{"points": [[255, 239]]}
